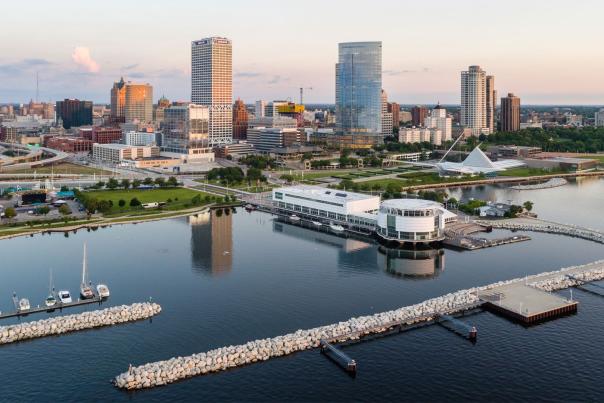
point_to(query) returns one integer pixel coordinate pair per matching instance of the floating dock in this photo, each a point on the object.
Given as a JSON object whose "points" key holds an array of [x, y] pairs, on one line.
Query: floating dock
{"points": [[59, 306], [343, 360], [472, 243], [526, 304], [458, 327]]}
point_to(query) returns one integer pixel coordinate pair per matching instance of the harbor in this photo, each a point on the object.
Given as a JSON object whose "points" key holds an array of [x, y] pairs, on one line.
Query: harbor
{"points": [[59, 306]]}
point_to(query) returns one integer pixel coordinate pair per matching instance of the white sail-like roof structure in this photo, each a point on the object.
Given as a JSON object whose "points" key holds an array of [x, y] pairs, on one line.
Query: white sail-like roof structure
{"points": [[476, 163]]}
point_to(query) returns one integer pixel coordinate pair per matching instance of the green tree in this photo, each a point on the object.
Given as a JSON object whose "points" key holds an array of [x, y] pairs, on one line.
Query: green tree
{"points": [[125, 183], [136, 183], [528, 205], [64, 188], [112, 184], [64, 210], [100, 184], [104, 206], [134, 202], [148, 181], [43, 210], [172, 181], [121, 203], [161, 182], [196, 200], [254, 175], [10, 212]]}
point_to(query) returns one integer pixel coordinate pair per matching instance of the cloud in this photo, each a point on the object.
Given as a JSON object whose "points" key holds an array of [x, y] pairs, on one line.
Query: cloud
{"points": [[247, 74], [130, 66], [136, 74], [23, 65], [401, 72], [277, 79], [81, 57]]}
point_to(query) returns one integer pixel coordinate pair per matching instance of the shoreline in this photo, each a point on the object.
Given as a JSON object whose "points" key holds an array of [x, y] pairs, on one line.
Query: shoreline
{"points": [[107, 222]]}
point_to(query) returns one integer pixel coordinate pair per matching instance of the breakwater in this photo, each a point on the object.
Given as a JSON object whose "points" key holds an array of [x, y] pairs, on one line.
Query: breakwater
{"points": [[547, 227], [552, 183], [219, 359], [72, 323]]}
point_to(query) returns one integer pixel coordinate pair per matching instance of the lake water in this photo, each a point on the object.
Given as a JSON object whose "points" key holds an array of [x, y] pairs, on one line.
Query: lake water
{"points": [[228, 279]]}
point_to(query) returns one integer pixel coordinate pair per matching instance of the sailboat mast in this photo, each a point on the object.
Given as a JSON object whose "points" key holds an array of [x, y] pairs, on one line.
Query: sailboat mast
{"points": [[84, 267]]}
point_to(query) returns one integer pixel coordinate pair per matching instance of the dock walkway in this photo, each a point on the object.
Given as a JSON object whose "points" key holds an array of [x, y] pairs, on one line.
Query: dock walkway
{"points": [[59, 306]]}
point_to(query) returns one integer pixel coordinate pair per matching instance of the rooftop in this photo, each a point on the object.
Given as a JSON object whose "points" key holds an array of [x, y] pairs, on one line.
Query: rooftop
{"points": [[325, 193]]}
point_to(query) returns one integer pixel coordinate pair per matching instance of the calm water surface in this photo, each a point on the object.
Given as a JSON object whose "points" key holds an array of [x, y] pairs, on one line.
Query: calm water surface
{"points": [[229, 279]]}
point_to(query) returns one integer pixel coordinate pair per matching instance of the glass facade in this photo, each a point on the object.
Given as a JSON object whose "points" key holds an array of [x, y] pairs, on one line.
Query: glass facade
{"points": [[185, 128], [358, 88]]}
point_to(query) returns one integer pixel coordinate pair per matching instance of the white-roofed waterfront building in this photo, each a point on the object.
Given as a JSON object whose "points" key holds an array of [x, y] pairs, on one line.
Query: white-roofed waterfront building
{"points": [[477, 163], [412, 221]]}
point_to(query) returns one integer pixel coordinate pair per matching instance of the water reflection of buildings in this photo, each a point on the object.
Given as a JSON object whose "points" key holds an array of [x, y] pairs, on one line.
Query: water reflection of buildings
{"points": [[416, 263], [212, 242], [352, 253]]}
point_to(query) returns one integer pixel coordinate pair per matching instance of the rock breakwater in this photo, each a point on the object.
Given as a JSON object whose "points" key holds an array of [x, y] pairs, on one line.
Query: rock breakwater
{"points": [[219, 359], [71, 323]]}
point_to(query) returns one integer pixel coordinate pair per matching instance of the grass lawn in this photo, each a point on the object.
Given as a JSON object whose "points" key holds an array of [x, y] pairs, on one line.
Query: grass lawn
{"points": [[62, 168], [183, 195]]}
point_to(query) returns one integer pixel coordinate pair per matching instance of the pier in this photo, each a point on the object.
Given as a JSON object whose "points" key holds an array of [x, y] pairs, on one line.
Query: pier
{"points": [[337, 356], [472, 243], [526, 304], [59, 306], [591, 288]]}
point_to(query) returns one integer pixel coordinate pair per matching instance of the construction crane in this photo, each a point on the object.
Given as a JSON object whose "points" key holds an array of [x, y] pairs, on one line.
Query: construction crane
{"points": [[302, 94]]}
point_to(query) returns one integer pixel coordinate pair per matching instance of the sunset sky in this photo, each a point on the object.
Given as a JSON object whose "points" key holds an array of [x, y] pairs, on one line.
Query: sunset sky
{"points": [[547, 52]]}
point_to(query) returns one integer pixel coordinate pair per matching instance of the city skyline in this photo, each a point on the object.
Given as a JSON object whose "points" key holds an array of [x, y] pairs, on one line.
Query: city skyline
{"points": [[530, 56]]}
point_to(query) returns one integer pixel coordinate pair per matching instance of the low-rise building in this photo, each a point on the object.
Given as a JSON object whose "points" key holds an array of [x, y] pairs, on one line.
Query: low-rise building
{"points": [[513, 151], [117, 153], [265, 139], [235, 150], [420, 135], [68, 144], [134, 138]]}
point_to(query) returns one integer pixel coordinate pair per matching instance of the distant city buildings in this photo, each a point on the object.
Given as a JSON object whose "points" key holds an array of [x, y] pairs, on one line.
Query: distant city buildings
{"points": [[212, 85], [260, 109], [438, 119], [418, 115], [387, 123], [102, 135], [358, 89], [433, 136], [240, 118], [118, 100], [510, 113], [118, 153], [74, 113], [134, 138], [599, 118], [474, 100], [395, 110], [264, 139]]}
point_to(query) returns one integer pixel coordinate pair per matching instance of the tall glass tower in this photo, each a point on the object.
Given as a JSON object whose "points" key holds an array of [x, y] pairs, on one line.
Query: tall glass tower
{"points": [[358, 88]]}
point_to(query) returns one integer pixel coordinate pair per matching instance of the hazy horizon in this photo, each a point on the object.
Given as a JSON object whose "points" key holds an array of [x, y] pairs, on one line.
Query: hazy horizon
{"points": [[542, 54]]}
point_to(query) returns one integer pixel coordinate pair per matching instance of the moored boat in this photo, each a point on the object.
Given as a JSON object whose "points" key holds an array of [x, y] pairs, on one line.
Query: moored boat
{"points": [[102, 290], [85, 289], [317, 223], [64, 297], [24, 304], [336, 227], [294, 218], [50, 300]]}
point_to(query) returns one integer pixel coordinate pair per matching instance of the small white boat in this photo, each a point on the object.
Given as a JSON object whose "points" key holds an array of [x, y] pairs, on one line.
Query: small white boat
{"points": [[85, 289], [294, 218], [250, 207], [317, 223], [102, 290], [336, 228], [24, 304], [65, 297]]}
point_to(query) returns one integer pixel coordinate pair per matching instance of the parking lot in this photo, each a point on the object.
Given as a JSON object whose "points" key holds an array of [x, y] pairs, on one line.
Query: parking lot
{"points": [[28, 213]]}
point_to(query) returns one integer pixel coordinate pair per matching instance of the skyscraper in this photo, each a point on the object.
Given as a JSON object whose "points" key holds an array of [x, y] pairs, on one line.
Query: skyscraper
{"points": [[395, 109], [491, 103], [212, 85], [260, 110], [474, 100], [138, 105], [418, 115], [118, 99], [510, 113], [74, 113], [358, 88], [240, 119]]}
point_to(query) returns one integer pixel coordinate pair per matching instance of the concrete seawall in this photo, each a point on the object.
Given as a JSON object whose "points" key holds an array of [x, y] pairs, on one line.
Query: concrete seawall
{"points": [[72, 323], [219, 359]]}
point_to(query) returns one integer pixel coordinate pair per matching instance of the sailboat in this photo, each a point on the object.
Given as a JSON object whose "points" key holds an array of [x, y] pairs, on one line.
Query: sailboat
{"points": [[85, 289], [50, 300]]}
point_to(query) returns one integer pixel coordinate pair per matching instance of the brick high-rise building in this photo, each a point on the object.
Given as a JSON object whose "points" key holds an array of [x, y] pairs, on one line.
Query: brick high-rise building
{"points": [[418, 115], [395, 109], [491, 103], [240, 118], [510, 113], [138, 105]]}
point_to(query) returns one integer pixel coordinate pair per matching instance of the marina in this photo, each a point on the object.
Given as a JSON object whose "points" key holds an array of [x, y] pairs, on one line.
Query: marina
{"points": [[58, 306]]}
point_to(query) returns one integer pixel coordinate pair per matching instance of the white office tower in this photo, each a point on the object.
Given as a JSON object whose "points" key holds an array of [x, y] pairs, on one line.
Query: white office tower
{"points": [[474, 100], [438, 119], [260, 110], [212, 85]]}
